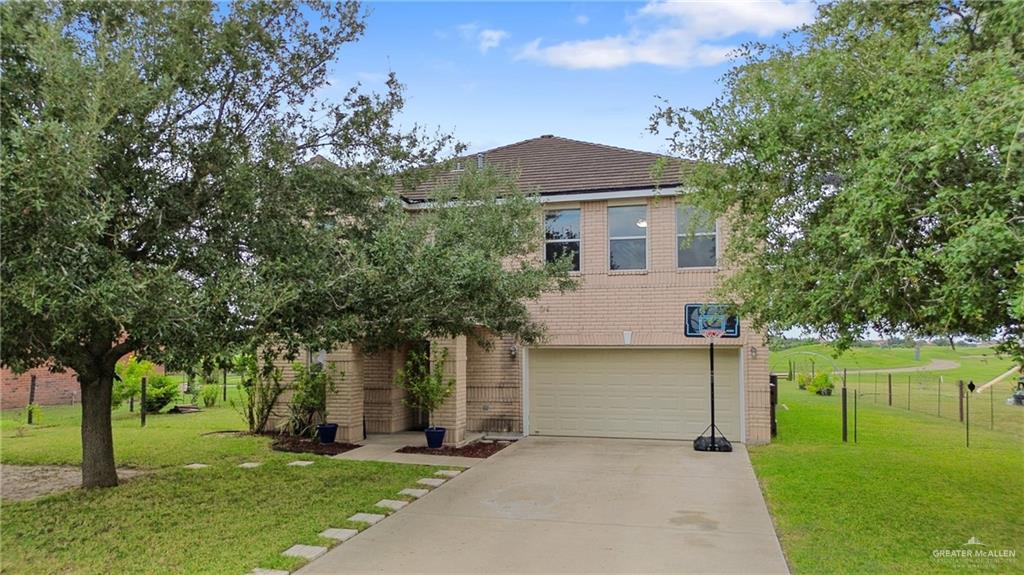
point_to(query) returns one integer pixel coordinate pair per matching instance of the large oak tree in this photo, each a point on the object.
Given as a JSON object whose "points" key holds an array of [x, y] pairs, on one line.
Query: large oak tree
{"points": [[873, 169], [158, 197]]}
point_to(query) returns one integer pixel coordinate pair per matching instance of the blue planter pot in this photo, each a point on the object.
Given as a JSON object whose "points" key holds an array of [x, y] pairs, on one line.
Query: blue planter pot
{"points": [[326, 432], [435, 436]]}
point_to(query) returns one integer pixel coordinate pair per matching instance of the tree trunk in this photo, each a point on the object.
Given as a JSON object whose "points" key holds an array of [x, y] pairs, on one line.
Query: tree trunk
{"points": [[97, 437]]}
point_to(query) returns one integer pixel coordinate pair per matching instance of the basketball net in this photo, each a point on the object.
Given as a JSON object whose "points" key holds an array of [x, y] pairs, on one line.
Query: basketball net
{"points": [[712, 334]]}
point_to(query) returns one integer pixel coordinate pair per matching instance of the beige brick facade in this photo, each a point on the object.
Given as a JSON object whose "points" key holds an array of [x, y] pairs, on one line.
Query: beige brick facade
{"points": [[649, 304], [610, 309]]}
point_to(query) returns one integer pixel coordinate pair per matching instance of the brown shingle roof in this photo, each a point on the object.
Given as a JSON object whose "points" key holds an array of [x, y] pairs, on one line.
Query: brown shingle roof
{"points": [[553, 165]]}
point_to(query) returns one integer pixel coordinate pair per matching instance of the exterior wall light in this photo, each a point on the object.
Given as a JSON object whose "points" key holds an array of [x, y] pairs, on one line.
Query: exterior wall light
{"points": [[513, 352]]}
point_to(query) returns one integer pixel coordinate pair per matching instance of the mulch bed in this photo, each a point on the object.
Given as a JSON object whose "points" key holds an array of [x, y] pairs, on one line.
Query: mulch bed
{"points": [[478, 449], [302, 445]]}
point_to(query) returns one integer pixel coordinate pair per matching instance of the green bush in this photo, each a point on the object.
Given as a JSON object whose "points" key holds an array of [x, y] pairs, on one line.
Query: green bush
{"points": [[129, 379], [161, 390], [308, 407], [210, 393], [424, 382], [803, 380], [821, 383], [35, 411]]}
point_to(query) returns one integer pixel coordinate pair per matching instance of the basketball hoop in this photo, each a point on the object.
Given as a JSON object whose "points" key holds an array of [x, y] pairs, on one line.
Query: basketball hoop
{"points": [[712, 327], [713, 334]]}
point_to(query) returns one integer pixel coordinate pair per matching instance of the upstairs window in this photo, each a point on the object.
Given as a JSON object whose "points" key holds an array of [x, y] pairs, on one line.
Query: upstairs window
{"points": [[696, 237], [562, 235], [627, 237]]}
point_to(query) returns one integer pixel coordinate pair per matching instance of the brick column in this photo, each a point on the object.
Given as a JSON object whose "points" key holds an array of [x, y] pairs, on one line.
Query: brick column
{"points": [[452, 414], [758, 394], [345, 405]]}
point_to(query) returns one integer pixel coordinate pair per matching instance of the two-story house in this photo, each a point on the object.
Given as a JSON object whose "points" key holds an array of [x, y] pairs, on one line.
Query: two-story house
{"points": [[616, 361]]}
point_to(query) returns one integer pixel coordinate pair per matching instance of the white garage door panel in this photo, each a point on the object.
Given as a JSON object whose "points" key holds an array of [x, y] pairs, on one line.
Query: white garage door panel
{"points": [[639, 393]]}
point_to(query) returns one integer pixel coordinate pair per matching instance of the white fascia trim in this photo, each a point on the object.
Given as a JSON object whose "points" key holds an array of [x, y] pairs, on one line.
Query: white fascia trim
{"points": [[584, 196], [612, 195]]}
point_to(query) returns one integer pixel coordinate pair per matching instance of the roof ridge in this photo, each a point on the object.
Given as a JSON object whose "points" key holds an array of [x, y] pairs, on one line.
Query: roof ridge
{"points": [[619, 148], [584, 142]]}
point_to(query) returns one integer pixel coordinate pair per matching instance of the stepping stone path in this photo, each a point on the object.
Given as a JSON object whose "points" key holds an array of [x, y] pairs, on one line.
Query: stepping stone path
{"points": [[339, 534], [250, 465], [417, 493], [447, 473], [392, 504], [370, 518], [262, 571], [196, 466], [300, 463], [304, 551], [431, 481]]}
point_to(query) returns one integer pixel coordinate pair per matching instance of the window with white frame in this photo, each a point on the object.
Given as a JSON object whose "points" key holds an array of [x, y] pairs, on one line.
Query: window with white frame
{"points": [[562, 235], [627, 237], [696, 238]]}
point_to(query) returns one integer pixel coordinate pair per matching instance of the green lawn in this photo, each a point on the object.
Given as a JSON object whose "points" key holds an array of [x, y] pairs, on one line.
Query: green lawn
{"points": [[884, 504], [222, 519], [930, 392]]}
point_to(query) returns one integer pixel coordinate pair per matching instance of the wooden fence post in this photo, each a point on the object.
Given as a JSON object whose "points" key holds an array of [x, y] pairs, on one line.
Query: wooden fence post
{"points": [[142, 403], [908, 393], [31, 399], [225, 384], [890, 390]]}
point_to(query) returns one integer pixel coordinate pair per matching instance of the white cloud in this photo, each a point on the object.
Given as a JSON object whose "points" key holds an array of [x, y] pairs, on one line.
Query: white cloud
{"points": [[486, 39], [675, 34], [582, 19]]}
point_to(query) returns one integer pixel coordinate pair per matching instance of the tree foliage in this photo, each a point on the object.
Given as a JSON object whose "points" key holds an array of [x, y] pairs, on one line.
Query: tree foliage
{"points": [[872, 169], [159, 196]]}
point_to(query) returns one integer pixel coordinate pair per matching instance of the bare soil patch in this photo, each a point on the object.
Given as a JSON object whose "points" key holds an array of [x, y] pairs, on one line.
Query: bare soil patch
{"points": [[478, 449], [24, 482], [302, 445]]}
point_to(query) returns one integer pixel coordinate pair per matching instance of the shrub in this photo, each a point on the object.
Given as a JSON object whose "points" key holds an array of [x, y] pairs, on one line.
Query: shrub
{"points": [[821, 383], [803, 380], [261, 386], [129, 381], [308, 407], [35, 411], [425, 383], [161, 390], [210, 394]]}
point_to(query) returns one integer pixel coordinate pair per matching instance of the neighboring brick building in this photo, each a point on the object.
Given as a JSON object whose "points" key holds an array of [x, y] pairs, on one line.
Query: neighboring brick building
{"points": [[617, 361], [51, 388]]}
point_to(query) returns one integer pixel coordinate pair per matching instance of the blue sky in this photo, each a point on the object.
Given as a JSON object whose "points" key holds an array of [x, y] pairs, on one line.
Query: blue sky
{"points": [[497, 73]]}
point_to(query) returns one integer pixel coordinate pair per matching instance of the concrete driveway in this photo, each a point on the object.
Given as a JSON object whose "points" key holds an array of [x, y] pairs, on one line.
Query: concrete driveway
{"points": [[561, 505]]}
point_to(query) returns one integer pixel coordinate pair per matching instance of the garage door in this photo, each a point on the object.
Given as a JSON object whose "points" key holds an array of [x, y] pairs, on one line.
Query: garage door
{"points": [[638, 393]]}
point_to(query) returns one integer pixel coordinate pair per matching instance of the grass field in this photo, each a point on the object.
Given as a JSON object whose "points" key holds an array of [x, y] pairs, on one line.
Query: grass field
{"points": [[932, 392], [222, 519], [907, 488]]}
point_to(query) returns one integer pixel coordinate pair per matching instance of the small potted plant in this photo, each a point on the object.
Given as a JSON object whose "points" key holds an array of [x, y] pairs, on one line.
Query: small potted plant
{"points": [[426, 389]]}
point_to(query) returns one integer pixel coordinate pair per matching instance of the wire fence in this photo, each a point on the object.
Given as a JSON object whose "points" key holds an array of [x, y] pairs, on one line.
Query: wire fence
{"points": [[938, 395]]}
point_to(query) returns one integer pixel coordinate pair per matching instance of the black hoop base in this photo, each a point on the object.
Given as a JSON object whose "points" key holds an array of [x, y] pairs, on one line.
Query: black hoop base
{"points": [[714, 442]]}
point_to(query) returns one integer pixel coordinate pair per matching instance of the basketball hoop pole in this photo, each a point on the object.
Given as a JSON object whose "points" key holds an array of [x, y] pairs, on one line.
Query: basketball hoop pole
{"points": [[711, 358], [713, 442]]}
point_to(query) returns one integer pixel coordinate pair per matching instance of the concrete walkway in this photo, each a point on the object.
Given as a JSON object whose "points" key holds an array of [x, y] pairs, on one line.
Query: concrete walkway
{"points": [[560, 505], [381, 447]]}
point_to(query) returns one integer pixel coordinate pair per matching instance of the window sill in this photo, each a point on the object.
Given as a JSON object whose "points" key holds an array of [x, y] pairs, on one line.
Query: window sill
{"points": [[702, 269], [628, 272]]}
